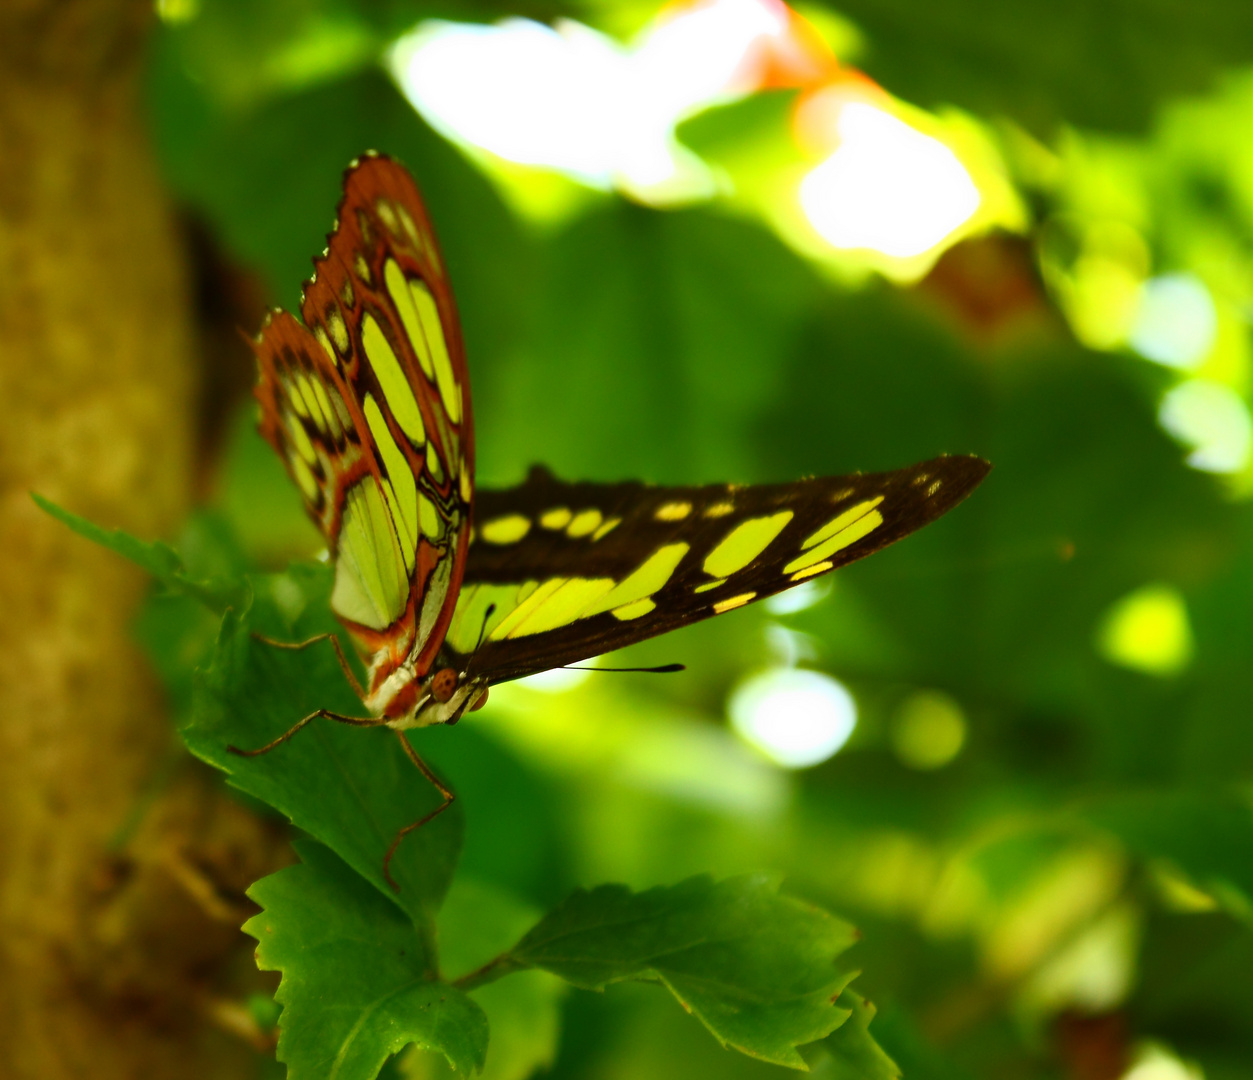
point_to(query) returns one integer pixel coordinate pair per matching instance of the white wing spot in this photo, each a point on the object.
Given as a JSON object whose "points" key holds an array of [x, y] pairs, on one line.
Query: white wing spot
{"points": [[339, 332], [387, 215], [409, 227]]}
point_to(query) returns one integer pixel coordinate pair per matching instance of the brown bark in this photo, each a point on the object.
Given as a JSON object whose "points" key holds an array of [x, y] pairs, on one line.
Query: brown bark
{"points": [[106, 955]]}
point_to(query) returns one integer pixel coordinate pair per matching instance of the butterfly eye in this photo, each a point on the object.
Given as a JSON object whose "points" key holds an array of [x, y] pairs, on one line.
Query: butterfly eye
{"points": [[443, 685]]}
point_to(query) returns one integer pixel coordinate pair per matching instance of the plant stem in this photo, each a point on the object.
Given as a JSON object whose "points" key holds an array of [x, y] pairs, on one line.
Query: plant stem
{"points": [[494, 969]]}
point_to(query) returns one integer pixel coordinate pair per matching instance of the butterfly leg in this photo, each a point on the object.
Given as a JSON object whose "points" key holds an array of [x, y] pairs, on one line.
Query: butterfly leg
{"points": [[439, 786], [295, 646], [355, 721]]}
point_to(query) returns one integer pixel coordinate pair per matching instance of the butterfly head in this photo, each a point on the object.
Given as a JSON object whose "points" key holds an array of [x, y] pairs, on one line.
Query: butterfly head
{"points": [[447, 695]]}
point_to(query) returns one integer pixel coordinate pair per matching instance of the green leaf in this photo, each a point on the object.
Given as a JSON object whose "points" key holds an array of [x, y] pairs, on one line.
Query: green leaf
{"points": [[854, 1052], [1208, 838], [159, 559], [759, 970], [350, 788], [357, 984], [476, 923], [525, 1017]]}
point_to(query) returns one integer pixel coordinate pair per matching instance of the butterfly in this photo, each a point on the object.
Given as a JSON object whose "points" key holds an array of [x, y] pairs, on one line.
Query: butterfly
{"points": [[446, 590]]}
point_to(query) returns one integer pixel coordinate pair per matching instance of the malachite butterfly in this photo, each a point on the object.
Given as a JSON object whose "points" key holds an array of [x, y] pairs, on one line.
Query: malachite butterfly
{"points": [[447, 590]]}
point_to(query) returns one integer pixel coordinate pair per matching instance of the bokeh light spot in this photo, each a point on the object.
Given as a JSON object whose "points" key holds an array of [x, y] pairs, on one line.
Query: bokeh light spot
{"points": [[571, 99], [1092, 970], [523, 91], [175, 12], [1157, 1063], [1175, 322], [1212, 419], [888, 187], [929, 730], [1148, 630], [802, 596], [796, 718]]}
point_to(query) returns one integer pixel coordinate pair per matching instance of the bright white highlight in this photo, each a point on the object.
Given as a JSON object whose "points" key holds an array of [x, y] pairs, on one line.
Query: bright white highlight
{"points": [[1211, 418], [573, 100], [796, 718], [507, 89], [799, 597], [1175, 322], [888, 187]]}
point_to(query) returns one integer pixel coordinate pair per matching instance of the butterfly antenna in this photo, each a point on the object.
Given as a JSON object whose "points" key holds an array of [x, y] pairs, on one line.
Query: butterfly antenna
{"points": [[661, 669], [491, 610]]}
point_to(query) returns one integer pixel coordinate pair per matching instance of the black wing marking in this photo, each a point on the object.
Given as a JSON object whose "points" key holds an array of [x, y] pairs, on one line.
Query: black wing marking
{"points": [[618, 528]]}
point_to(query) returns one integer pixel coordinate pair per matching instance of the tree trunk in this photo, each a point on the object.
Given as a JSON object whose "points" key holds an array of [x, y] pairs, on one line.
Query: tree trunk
{"points": [[106, 953]]}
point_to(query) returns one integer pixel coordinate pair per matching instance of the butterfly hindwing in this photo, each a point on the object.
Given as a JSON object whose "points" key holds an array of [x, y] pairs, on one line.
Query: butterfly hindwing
{"points": [[575, 570], [368, 405]]}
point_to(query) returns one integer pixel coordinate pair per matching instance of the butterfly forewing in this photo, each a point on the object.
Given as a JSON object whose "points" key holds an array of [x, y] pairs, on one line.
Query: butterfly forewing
{"points": [[368, 404], [569, 571]]}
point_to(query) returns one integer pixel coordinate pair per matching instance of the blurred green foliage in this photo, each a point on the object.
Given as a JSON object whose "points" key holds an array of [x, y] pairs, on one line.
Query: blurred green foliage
{"points": [[1047, 65], [1085, 856]]}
